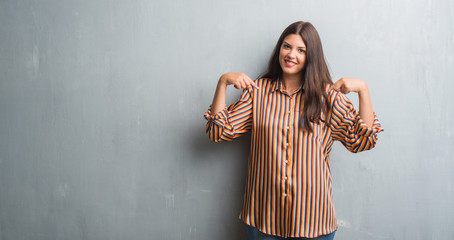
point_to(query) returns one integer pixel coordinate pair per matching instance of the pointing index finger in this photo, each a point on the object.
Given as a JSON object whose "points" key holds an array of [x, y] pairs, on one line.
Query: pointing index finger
{"points": [[331, 88]]}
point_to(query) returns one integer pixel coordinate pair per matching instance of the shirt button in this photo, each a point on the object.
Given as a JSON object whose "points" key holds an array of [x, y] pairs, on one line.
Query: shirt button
{"points": [[286, 144], [285, 195], [286, 161], [287, 127], [285, 177]]}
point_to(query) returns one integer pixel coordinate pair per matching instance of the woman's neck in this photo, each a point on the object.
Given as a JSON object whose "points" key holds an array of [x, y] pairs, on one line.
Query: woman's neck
{"points": [[292, 83]]}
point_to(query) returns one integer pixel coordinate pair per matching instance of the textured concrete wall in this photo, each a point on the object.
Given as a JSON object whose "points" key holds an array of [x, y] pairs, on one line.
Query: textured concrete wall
{"points": [[101, 103]]}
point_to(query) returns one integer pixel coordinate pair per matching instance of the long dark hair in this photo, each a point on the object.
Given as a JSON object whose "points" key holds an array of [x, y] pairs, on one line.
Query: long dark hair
{"points": [[315, 73]]}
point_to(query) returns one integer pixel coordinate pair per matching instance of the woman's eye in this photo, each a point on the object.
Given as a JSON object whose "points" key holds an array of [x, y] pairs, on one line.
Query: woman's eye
{"points": [[286, 46], [302, 51]]}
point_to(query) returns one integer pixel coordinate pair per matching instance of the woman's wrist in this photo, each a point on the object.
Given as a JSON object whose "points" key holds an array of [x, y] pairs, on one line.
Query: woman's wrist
{"points": [[363, 89], [222, 83], [359, 86], [223, 79]]}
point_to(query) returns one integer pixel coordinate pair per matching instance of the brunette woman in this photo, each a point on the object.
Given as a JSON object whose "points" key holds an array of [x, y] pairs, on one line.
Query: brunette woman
{"points": [[295, 113]]}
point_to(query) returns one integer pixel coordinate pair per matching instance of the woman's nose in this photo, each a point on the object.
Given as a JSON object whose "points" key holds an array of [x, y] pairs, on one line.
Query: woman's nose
{"points": [[291, 53]]}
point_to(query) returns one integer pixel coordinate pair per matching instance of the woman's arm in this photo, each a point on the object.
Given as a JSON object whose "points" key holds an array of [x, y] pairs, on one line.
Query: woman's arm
{"points": [[346, 85], [238, 80], [357, 131], [365, 107], [226, 124]]}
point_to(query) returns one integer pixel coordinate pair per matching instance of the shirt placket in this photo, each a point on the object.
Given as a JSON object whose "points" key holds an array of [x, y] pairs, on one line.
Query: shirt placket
{"points": [[289, 132]]}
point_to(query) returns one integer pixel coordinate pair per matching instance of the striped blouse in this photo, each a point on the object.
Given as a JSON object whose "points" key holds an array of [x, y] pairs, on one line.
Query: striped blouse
{"points": [[288, 187]]}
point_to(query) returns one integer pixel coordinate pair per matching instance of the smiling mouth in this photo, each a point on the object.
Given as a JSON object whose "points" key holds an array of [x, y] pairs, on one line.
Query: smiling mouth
{"points": [[289, 63]]}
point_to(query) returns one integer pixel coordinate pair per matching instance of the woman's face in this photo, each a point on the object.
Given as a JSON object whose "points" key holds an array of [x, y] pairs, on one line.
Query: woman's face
{"points": [[292, 55]]}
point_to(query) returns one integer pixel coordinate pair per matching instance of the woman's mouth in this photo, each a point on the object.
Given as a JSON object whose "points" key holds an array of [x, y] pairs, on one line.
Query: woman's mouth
{"points": [[289, 63]]}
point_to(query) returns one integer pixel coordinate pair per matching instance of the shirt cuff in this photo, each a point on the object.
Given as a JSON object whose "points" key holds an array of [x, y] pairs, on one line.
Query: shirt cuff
{"points": [[366, 131], [220, 118]]}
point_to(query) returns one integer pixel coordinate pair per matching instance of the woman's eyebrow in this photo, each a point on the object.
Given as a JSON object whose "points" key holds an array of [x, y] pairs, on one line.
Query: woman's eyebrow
{"points": [[303, 47]]}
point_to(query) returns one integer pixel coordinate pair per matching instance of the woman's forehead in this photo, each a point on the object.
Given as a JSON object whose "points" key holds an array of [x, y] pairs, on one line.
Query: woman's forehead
{"points": [[295, 40]]}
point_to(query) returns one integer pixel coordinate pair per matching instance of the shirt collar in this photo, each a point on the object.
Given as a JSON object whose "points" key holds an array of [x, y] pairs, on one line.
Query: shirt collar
{"points": [[277, 85]]}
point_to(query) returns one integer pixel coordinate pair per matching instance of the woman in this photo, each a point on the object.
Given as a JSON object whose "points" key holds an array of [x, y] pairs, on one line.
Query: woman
{"points": [[294, 112]]}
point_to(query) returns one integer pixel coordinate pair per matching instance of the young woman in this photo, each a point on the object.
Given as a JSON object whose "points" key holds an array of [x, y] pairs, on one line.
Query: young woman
{"points": [[294, 113]]}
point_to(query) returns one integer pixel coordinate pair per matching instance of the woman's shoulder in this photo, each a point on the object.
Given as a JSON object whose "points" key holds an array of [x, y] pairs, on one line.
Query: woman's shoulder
{"points": [[335, 96], [264, 83], [263, 80], [332, 94]]}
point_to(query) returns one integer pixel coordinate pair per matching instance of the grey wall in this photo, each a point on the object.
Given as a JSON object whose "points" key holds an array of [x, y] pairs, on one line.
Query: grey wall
{"points": [[101, 103]]}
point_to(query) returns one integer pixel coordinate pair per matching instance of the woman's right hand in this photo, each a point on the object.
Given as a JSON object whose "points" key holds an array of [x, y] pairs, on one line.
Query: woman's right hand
{"points": [[238, 80]]}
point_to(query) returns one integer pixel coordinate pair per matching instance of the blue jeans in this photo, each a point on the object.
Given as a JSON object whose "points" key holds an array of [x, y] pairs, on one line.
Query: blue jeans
{"points": [[255, 234]]}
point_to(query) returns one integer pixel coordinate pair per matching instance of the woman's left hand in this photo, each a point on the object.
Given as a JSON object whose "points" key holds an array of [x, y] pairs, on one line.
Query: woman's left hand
{"points": [[346, 85]]}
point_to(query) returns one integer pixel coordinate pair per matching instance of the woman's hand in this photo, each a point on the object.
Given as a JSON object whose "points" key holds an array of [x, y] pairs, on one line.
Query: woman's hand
{"points": [[238, 80], [347, 85]]}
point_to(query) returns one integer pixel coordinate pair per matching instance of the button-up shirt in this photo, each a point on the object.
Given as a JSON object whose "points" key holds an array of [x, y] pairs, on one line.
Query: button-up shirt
{"points": [[288, 189]]}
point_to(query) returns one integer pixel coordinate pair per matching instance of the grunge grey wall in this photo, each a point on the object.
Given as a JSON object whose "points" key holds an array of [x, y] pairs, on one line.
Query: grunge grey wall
{"points": [[101, 104]]}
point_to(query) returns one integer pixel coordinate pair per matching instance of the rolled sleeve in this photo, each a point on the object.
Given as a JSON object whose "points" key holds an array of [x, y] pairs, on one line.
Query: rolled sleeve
{"points": [[220, 118], [231, 122], [348, 127]]}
